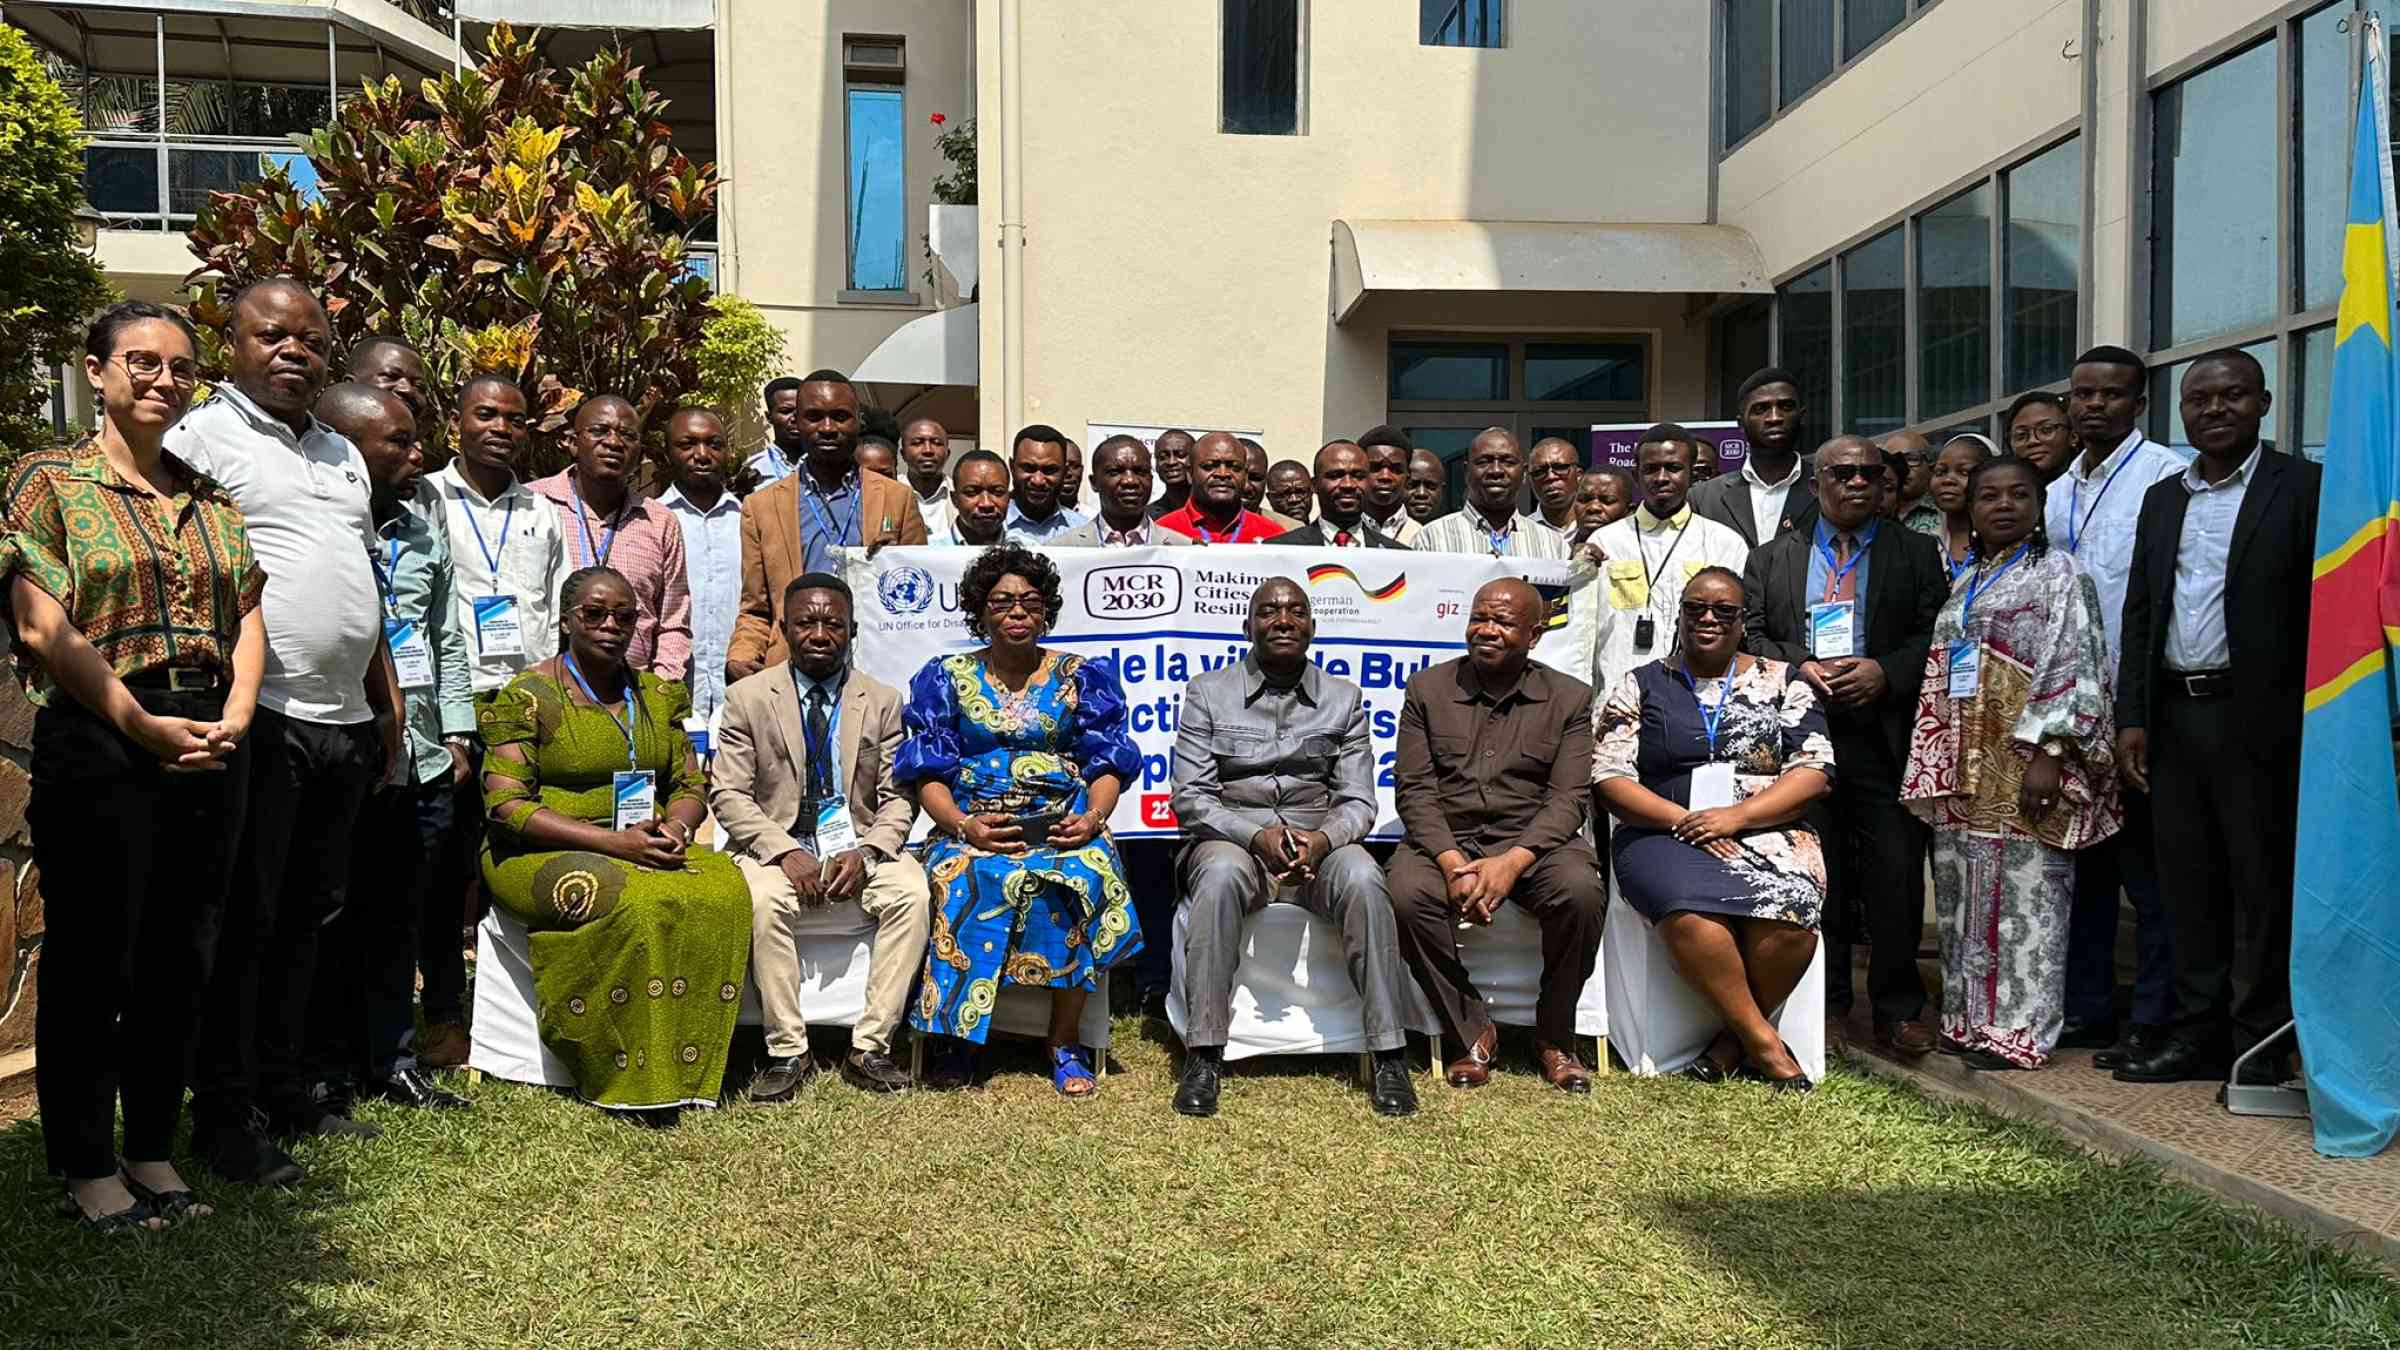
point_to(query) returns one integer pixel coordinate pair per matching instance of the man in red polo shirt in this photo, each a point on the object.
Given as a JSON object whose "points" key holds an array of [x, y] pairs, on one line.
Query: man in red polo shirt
{"points": [[1215, 515]]}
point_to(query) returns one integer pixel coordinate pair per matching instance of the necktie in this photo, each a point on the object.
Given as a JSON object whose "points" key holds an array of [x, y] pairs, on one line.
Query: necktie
{"points": [[1341, 539], [820, 747]]}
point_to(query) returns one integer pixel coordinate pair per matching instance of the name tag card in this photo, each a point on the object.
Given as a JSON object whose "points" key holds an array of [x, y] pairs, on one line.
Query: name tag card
{"points": [[1966, 668], [412, 656], [837, 834], [1832, 629], [498, 629], [637, 797], [1712, 786]]}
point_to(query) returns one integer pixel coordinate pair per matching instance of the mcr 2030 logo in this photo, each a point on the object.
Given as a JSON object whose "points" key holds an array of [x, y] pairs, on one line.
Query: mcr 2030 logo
{"points": [[1157, 813], [1134, 592]]}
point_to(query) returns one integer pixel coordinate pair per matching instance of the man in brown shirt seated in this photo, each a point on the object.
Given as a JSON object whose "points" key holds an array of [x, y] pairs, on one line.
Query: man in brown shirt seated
{"points": [[1494, 757]]}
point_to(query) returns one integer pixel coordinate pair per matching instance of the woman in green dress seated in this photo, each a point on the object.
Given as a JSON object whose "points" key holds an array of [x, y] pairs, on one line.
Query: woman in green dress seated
{"points": [[639, 941]]}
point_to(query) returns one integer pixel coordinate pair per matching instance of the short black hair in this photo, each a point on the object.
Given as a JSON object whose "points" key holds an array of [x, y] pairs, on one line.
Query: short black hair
{"points": [[1717, 570], [818, 581], [1616, 471], [276, 283], [1176, 431], [1669, 433], [2038, 543], [576, 581], [1003, 560], [373, 340], [826, 376], [1041, 433], [2106, 355], [1248, 444], [2232, 355], [484, 377], [682, 408], [2027, 400], [779, 385], [1119, 439], [101, 340], [1384, 433], [1760, 379], [879, 424], [876, 438], [976, 457]]}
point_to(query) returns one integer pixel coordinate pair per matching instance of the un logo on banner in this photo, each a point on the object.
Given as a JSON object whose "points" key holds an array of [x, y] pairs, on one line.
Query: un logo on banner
{"points": [[906, 590]]}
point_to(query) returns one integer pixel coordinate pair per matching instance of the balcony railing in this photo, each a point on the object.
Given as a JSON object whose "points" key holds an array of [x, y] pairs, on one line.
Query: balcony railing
{"points": [[141, 182]]}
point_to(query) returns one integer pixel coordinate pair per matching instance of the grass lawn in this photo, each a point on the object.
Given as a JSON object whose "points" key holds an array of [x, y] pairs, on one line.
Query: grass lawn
{"points": [[1651, 1213]]}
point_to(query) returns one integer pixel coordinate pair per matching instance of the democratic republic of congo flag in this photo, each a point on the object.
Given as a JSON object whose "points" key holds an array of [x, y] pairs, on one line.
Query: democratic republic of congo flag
{"points": [[2346, 901]]}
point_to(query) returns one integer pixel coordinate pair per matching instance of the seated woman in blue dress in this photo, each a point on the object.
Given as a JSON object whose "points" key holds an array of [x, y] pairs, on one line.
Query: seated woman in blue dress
{"points": [[1734, 888], [1018, 754]]}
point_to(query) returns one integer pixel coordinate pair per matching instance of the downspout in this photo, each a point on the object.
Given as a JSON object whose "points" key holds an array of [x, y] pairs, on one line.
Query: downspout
{"points": [[2091, 171], [1012, 216], [729, 253]]}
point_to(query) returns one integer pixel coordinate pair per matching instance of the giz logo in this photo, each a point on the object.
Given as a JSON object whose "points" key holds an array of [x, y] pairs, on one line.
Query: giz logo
{"points": [[1156, 813], [1132, 592], [1451, 605]]}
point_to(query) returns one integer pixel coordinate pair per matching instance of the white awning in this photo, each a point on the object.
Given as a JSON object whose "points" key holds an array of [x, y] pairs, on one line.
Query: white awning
{"points": [[936, 348], [635, 14], [1371, 256]]}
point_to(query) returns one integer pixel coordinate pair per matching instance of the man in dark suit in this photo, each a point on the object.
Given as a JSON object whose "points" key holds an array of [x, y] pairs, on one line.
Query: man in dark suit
{"points": [[1774, 492], [1850, 603], [2208, 715], [1341, 487]]}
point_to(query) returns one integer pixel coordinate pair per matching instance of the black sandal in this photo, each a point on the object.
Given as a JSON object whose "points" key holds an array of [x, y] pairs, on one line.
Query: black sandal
{"points": [[172, 1206], [134, 1218]]}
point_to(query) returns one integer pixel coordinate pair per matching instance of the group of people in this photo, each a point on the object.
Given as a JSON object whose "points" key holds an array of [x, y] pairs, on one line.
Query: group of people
{"points": [[299, 698]]}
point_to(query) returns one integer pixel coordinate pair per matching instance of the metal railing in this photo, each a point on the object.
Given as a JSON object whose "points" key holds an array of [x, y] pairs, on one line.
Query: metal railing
{"points": [[143, 182]]}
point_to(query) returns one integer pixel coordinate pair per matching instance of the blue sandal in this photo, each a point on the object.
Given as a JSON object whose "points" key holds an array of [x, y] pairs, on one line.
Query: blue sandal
{"points": [[1068, 1064]]}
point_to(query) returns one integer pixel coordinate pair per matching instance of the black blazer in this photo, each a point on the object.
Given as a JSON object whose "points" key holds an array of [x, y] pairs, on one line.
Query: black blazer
{"points": [[1309, 536], [1725, 499], [1906, 585], [2268, 575]]}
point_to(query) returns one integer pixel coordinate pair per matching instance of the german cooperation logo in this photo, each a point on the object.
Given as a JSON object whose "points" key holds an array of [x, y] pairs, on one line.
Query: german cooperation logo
{"points": [[1132, 593], [906, 590]]}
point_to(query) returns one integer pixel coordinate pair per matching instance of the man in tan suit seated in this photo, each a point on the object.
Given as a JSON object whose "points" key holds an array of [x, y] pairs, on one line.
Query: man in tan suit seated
{"points": [[802, 788], [798, 524]]}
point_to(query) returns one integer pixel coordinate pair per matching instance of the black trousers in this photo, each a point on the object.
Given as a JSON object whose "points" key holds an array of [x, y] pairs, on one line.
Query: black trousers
{"points": [[1150, 875], [396, 919], [1562, 891], [307, 780], [1875, 876], [135, 864], [2225, 813]]}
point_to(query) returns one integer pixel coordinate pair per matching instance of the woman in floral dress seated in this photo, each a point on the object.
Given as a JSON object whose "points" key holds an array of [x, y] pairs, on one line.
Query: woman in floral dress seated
{"points": [[1018, 753], [1736, 886]]}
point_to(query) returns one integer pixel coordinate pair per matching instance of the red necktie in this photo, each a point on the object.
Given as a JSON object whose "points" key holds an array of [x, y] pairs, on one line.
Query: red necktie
{"points": [[1341, 539]]}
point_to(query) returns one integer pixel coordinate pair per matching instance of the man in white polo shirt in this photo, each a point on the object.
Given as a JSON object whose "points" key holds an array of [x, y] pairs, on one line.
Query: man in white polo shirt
{"points": [[314, 749]]}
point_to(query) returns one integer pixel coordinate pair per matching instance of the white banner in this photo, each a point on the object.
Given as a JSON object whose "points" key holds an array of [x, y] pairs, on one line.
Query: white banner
{"points": [[1164, 615]]}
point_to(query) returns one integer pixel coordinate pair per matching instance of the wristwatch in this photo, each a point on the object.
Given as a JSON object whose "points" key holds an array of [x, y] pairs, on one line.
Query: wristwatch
{"points": [[2054, 748]]}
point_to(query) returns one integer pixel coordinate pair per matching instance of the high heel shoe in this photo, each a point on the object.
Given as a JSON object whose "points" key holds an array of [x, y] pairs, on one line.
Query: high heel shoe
{"points": [[1796, 1083]]}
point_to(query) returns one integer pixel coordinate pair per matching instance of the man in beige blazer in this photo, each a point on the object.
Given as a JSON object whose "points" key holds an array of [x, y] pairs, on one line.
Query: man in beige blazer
{"points": [[811, 829]]}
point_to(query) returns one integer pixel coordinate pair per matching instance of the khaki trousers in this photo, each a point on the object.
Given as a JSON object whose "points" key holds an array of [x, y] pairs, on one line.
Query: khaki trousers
{"points": [[898, 902]]}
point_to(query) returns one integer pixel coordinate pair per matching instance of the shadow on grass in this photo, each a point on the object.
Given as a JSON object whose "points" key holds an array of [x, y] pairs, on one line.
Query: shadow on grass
{"points": [[243, 1277]]}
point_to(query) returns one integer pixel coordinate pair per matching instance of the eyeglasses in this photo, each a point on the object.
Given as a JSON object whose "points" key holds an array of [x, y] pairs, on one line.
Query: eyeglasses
{"points": [[1700, 609], [1847, 473], [1002, 604], [599, 616], [2041, 431], [146, 366]]}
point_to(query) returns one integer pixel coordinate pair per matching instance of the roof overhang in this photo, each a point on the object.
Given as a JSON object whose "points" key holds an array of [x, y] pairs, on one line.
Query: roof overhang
{"points": [[256, 39], [627, 14], [1406, 256], [937, 348]]}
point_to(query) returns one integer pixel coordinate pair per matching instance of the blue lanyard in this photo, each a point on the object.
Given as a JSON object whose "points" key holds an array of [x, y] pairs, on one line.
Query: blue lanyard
{"points": [[492, 555], [608, 532], [1957, 566], [810, 498], [1230, 535], [388, 572], [624, 724], [1709, 717], [1498, 539], [1984, 583], [2077, 517], [1833, 581]]}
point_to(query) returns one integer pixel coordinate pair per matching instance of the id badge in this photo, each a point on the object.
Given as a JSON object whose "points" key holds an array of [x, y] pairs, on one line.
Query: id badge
{"points": [[1832, 628], [412, 656], [498, 631], [636, 795], [1966, 668], [837, 833], [1712, 786]]}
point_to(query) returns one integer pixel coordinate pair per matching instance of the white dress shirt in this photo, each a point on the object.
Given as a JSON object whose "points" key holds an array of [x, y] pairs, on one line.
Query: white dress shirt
{"points": [[933, 506], [2196, 639], [2093, 516], [772, 465], [1468, 532], [1649, 562], [1766, 499], [712, 560], [504, 545]]}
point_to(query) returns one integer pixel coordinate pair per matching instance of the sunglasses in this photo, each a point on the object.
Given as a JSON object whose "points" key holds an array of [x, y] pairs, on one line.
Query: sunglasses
{"points": [[1850, 473], [1696, 610], [600, 616], [1002, 604]]}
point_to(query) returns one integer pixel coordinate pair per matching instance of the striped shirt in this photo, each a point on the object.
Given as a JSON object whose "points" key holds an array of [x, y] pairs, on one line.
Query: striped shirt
{"points": [[646, 547], [1466, 532]]}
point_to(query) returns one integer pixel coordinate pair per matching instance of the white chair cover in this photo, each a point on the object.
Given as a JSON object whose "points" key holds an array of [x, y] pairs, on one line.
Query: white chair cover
{"points": [[1505, 957], [1291, 990], [1661, 1025]]}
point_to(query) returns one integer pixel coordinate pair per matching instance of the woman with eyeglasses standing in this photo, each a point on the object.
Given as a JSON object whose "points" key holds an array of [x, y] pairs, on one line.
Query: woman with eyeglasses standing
{"points": [[639, 941], [1018, 753], [1707, 757], [134, 597]]}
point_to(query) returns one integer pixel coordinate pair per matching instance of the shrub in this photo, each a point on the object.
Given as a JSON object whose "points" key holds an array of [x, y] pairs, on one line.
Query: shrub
{"points": [[49, 288]]}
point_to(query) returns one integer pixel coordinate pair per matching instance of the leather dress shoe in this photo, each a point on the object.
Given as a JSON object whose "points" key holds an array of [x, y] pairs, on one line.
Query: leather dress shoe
{"points": [[240, 1151], [412, 1087], [1196, 1091], [874, 1071], [1474, 1068], [1561, 1069], [325, 1114], [2139, 1041], [1391, 1088], [2177, 1061], [781, 1077], [1911, 1037], [2080, 1035]]}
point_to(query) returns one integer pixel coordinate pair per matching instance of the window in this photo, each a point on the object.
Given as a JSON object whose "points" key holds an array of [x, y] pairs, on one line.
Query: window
{"points": [[1807, 47], [1865, 21], [1742, 347], [1459, 23], [2321, 174], [1564, 372], [1874, 327], [2213, 199], [1778, 52], [1954, 303], [1449, 372], [1445, 390], [1749, 74], [2043, 252], [2165, 414], [1261, 94], [878, 191], [2316, 390], [1804, 314]]}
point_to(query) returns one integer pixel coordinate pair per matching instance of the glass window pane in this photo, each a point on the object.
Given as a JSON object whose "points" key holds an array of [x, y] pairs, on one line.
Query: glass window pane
{"points": [[2316, 390], [121, 180], [1873, 398], [1741, 349], [1804, 310], [2213, 199], [1262, 67], [1749, 70], [1449, 444], [1449, 372], [275, 109], [1459, 23], [1954, 303], [2166, 403], [878, 193], [1807, 46], [2321, 169], [1863, 21], [2044, 244], [1584, 372]]}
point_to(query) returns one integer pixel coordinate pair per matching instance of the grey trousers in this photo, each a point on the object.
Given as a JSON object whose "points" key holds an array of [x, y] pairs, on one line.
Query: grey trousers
{"points": [[1224, 884]]}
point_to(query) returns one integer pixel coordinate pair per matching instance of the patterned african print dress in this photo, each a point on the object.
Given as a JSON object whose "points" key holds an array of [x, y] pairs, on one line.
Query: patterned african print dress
{"points": [[1046, 917], [637, 974], [1652, 731], [2003, 885]]}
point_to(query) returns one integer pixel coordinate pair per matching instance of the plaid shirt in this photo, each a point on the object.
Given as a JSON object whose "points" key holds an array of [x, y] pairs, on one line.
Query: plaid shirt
{"points": [[647, 549], [150, 583]]}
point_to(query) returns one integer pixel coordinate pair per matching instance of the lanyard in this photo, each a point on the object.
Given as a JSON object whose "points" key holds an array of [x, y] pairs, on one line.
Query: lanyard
{"points": [[388, 572], [492, 555], [810, 497], [608, 532], [2077, 517], [1498, 539], [1956, 565], [1709, 717], [1650, 577], [1231, 536], [833, 729], [1983, 583], [624, 724], [1833, 579]]}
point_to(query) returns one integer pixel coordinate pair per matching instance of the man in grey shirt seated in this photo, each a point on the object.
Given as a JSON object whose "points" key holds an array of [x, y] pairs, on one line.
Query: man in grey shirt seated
{"points": [[1274, 789]]}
